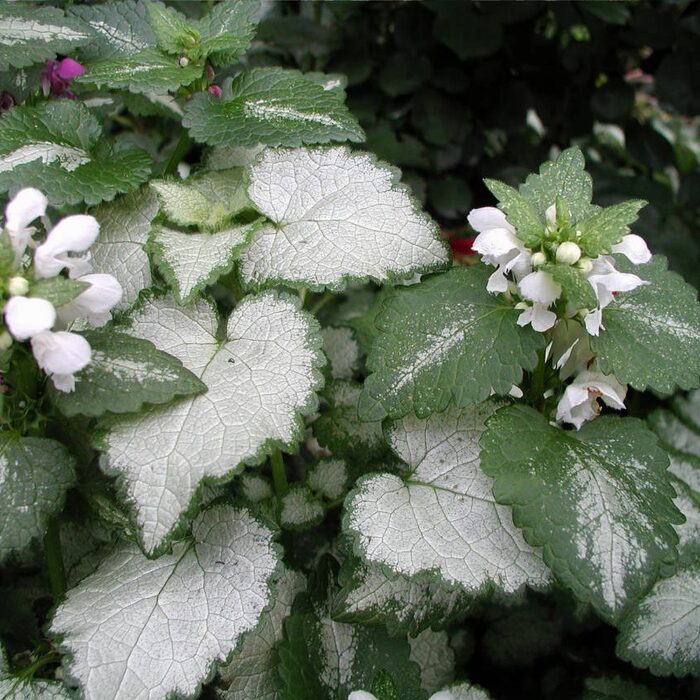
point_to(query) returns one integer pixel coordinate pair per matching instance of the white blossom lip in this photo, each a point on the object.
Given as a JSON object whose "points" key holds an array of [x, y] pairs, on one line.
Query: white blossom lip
{"points": [[580, 401]]}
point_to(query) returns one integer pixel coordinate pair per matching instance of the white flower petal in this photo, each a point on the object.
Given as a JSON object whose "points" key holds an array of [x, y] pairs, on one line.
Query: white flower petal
{"points": [[61, 352], [540, 287], [594, 321], [606, 286], [73, 234], [497, 246], [28, 204], [497, 281], [27, 316], [64, 382], [361, 695], [487, 218], [634, 248], [542, 319], [565, 356], [95, 302]]}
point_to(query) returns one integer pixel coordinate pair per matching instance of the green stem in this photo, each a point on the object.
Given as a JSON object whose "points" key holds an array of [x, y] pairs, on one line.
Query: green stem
{"points": [[54, 561], [181, 148], [28, 673], [537, 383], [320, 303], [279, 476]]}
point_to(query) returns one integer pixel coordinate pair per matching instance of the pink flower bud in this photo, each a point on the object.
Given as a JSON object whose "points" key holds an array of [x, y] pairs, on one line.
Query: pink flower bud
{"points": [[69, 69], [214, 90]]}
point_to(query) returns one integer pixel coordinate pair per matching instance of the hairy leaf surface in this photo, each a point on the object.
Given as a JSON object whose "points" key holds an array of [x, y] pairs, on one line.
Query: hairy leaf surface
{"points": [[441, 517], [336, 215], [140, 628], [261, 379]]}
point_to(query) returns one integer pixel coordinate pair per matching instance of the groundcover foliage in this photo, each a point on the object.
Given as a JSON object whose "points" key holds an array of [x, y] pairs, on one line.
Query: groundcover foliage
{"points": [[283, 422]]}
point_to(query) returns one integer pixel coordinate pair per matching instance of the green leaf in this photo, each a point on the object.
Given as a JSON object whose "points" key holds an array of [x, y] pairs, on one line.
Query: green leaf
{"points": [[652, 334], [124, 374], [35, 474], [228, 30], [564, 177], [370, 597], [172, 29], [58, 148], [252, 670], [340, 429], [125, 225], [57, 290], [191, 261], [324, 659], [615, 687], [439, 519], [466, 31], [445, 339], [342, 351], [208, 201], [327, 478], [299, 509], [340, 216], [262, 379], [597, 234], [32, 34], [598, 501], [193, 605], [663, 632], [145, 72], [432, 652], [23, 688], [521, 213], [120, 28], [575, 287], [273, 106]]}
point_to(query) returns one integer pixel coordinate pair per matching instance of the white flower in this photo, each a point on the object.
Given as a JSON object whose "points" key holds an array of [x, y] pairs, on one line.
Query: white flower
{"points": [[580, 401], [61, 355], [74, 234], [539, 316], [96, 302], [25, 317], [361, 695], [28, 204], [634, 248], [499, 245], [606, 282]]}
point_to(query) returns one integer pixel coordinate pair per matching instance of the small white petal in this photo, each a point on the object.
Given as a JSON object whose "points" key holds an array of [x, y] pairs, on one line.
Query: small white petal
{"points": [[551, 216], [61, 352], [361, 695], [64, 382], [542, 319], [27, 316], [28, 204], [594, 322], [540, 287], [607, 285], [516, 392], [487, 218], [579, 402], [497, 282], [95, 302], [634, 248], [73, 234], [565, 357]]}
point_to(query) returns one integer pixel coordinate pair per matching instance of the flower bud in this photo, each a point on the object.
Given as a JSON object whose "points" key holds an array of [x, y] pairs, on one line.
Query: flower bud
{"points": [[184, 61], [585, 265], [538, 259], [551, 216], [214, 90], [17, 286], [5, 340], [568, 253]]}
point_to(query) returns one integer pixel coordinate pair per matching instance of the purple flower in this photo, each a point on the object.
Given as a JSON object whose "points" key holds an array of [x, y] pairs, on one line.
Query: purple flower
{"points": [[57, 76], [214, 90]]}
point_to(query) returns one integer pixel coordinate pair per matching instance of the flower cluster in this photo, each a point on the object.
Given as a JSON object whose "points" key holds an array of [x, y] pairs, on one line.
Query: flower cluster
{"points": [[35, 271], [537, 294]]}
